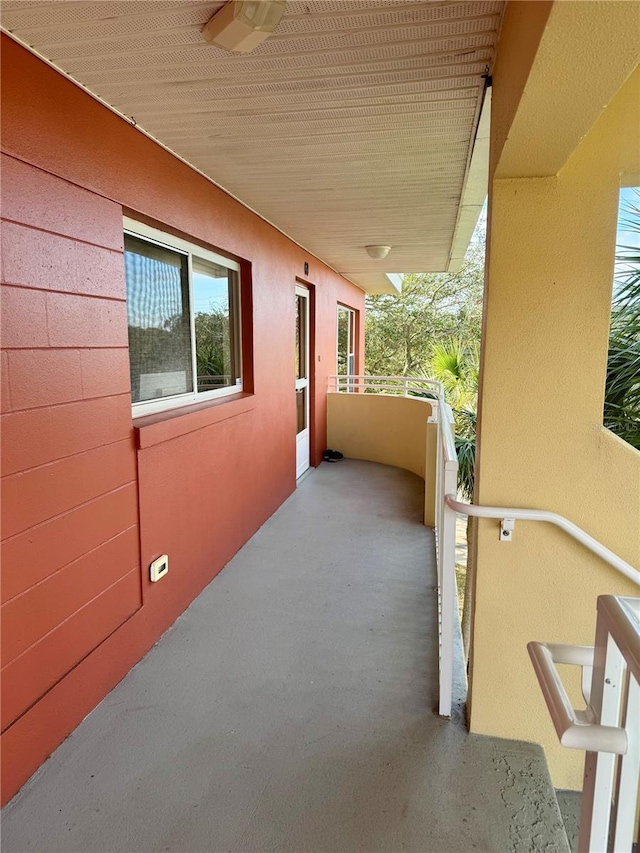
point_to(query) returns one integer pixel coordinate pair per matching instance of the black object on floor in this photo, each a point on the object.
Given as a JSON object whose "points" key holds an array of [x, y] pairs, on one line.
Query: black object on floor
{"points": [[332, 455]]}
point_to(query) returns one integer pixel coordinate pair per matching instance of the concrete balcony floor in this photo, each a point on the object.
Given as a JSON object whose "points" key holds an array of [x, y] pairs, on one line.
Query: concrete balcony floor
{"points": [[290, 708]]}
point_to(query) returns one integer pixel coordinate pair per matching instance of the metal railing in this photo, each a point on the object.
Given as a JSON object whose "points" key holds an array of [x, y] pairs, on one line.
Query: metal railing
{"points": [[404, 386], [608, 728]]}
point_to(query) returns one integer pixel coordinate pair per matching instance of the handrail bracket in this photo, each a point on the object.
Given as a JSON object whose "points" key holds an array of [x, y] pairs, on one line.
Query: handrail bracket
{"points": [[506, 529]]}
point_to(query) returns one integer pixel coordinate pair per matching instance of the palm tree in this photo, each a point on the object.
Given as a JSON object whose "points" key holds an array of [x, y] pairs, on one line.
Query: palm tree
{"points": [[622, 389], [456, 364]]}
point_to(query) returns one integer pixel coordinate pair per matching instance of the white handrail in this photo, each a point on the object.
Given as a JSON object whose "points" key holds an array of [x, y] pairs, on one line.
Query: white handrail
{"points": [[351, 376], [608, 726], [560, 521], [612, 783], [448, 438], [575, 729], [402, 384]]}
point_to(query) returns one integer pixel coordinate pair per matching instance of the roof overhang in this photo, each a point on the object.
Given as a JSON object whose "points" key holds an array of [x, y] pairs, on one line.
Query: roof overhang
{"points": [[475, 188], [353, 124]]}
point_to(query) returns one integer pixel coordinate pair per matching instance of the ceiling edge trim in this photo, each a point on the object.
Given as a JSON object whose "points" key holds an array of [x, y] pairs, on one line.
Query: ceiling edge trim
{"points": [[476, 182]]}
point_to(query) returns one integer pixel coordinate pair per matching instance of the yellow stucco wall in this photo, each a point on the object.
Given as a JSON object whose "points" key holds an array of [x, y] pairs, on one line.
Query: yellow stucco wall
{"points": [[541, 440], [386, 429], [558, 66]]}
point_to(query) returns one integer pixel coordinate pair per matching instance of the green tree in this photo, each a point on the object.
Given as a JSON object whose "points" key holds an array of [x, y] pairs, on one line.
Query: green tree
{"points": [[456, 364], [213, 349], [401, 330], [622, 389]]}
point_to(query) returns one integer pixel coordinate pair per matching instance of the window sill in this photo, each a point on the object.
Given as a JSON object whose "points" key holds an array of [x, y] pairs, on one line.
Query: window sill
{"points": [[173, 423]]}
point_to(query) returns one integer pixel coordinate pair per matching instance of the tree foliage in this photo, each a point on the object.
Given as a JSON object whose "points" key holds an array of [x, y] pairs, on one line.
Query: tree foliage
{"points": [[168, 348], [161, 348], [212, 342], [432, 328], [456, 363], [402, 330], [622, 390]]}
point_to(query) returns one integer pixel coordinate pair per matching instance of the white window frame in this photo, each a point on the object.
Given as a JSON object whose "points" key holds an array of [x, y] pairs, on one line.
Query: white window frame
{"points": [[183, 247], [351, 338]]}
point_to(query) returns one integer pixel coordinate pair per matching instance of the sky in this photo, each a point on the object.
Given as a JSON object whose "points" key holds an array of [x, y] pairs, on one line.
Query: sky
{"points": [[629, 196], [628, 233], [209, 293]]}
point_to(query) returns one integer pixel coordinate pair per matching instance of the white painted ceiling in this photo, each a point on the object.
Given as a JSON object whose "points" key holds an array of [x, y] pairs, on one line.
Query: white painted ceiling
{"points": [[353, 124]]}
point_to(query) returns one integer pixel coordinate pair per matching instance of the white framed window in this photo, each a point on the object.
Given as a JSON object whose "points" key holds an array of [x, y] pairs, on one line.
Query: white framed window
{"points": [[183, 307], [346, 342]]}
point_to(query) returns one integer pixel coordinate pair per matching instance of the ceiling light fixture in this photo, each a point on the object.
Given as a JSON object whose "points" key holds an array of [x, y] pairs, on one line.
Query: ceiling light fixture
{"points": [[241, 25], [378, 252]]}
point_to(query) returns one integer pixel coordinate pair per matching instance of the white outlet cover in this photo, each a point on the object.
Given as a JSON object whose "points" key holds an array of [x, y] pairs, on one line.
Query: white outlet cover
{"points": [[159, 568]]}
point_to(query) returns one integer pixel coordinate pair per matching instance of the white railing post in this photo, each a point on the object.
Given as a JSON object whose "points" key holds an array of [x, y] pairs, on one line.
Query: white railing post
{"points": [[439, 495], [612, 782], [627, 793], [448, 593], [446, 483], [608, 729], [600, 766]]}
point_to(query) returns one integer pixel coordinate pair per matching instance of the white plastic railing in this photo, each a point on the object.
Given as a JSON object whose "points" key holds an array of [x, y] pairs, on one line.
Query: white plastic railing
{"points": [[446, 482], [405, 386], [608, 728], [509, 515], [575, 729]]}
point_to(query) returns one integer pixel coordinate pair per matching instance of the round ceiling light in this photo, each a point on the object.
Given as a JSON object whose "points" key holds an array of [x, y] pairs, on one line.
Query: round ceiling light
{"points": [[378, 252]]}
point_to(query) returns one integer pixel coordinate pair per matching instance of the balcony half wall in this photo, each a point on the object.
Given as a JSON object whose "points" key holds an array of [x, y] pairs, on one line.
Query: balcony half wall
{"points": [[388, 429]]}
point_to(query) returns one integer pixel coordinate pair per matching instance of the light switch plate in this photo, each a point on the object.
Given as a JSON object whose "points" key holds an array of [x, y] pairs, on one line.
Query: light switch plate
{"points": [[159, 568]]}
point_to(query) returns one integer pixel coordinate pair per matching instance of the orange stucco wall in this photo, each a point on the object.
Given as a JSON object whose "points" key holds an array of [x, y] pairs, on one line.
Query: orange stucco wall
{"points": [[89, 501]]}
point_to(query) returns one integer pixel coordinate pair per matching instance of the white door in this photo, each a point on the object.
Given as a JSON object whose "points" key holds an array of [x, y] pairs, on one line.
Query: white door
{"points": [[302, 380]]}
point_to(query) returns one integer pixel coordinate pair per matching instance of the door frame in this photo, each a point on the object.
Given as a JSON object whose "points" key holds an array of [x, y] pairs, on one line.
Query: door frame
{"points": [[304, 289]]}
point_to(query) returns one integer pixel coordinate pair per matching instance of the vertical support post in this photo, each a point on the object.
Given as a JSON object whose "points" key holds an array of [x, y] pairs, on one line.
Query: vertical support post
{"points": [[439, 497], [447, 590], [627, 794], [599, 767], [445, 519]]}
